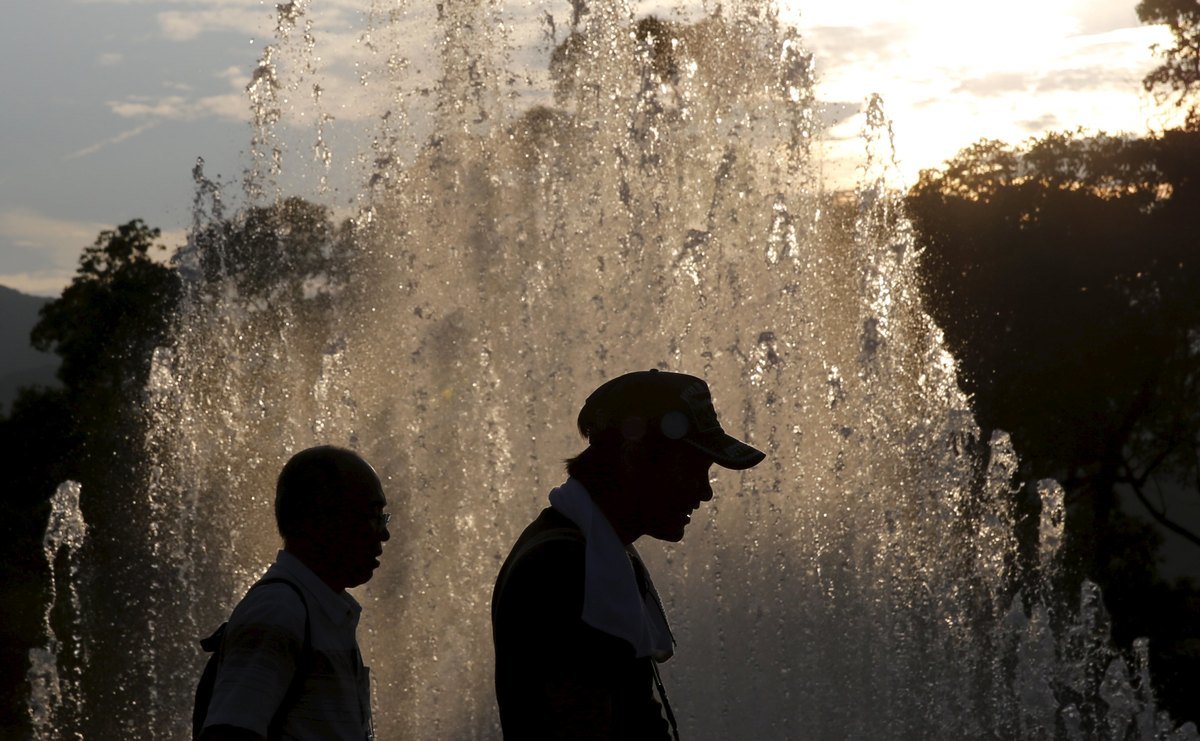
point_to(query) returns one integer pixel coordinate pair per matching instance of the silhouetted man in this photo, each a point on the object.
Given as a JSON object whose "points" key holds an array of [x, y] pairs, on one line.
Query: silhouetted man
{"points": [[289, 660], [576, 622]]}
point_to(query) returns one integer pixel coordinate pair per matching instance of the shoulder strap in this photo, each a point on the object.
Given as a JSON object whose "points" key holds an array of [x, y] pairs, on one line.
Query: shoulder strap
{"points": [[662, 694], [303, 666], [213, 644]]}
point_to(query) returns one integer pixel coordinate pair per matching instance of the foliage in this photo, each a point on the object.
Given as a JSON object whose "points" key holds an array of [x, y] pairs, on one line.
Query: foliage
{"points": [[286, 253], [114, 312], [1179, 74], [105, 326], [1064, 274]]}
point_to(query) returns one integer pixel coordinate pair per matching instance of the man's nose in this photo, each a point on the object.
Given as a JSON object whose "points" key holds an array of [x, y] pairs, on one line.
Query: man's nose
{"points": [[706, 490]]}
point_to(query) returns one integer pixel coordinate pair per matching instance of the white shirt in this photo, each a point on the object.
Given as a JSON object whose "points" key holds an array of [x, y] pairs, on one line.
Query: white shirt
{"points": [[263, 643]]}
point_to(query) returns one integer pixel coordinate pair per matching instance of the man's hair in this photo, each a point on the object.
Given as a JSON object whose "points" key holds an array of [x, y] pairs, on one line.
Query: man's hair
{"points": [[310, 485], [600, 462], [594, 465]]}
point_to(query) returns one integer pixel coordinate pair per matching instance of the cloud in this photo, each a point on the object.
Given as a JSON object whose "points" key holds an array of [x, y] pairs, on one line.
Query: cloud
{"points": [[38, 283], [837, 47], [170, 107], [30, 230], [110, 59], [43, 251], [188, 25], [334, 62], [1085, 79], [953, 72], [1098, 16], [194, 18], [996, 83], [229, 106], [121, 137], [1047, 122]]}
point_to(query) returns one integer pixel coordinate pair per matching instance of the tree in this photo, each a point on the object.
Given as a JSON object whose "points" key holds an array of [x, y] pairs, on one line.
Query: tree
{"points": [[118, 308], [115, 312], [1064, 274], [1179, 74], [283, 254]]}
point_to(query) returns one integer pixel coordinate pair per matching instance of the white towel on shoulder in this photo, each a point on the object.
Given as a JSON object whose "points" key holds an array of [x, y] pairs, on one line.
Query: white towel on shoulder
{"points": [[612, 601]]}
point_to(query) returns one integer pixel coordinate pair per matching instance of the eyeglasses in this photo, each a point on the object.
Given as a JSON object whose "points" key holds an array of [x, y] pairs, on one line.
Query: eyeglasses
{"points": [[381, 520]]}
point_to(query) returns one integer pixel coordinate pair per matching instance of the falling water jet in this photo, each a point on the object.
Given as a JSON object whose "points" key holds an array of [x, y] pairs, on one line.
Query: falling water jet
{"points": [[55, 700], [662, 210]]}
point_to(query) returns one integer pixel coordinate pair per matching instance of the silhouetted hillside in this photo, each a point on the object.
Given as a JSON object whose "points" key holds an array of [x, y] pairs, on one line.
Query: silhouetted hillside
{"points": [[20, 364]]}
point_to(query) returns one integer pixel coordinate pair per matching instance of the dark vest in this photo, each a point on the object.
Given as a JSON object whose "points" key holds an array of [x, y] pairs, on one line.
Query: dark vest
{"points": [[556, 676]]}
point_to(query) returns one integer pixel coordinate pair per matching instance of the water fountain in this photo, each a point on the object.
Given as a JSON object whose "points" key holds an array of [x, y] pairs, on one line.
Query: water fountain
{"points": [[509, 252]]}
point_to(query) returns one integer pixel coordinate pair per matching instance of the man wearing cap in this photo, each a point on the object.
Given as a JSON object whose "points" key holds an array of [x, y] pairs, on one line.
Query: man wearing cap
{"points": [[577, 625]]}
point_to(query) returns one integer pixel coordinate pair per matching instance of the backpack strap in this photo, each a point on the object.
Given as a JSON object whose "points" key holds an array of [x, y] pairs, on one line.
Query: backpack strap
{"points": [[213, 644], [303, 666]]}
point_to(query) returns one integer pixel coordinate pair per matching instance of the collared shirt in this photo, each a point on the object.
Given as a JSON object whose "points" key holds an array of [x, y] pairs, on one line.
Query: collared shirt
{"points": [[264, 644]]}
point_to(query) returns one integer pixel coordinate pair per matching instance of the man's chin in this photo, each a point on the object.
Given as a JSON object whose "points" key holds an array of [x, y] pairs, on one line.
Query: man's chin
{"points": [[673, 535], [362, 577]]}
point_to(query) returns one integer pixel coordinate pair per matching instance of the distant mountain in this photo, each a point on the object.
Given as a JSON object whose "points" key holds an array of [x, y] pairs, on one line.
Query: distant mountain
{"points": [[20, 364]]}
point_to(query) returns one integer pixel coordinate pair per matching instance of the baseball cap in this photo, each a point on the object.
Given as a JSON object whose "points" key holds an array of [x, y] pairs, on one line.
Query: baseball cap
{"points": [[679, 406]]}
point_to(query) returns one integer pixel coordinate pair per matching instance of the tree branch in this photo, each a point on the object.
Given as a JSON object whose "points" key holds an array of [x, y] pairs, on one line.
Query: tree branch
{"points": [[1161, 517]]}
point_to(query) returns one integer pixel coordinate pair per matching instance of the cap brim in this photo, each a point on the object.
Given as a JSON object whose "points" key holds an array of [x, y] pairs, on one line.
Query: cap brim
{"points": [[727, 451]]}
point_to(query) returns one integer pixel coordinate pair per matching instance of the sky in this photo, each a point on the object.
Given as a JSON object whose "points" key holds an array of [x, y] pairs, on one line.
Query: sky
{"points": [[108, 103]]}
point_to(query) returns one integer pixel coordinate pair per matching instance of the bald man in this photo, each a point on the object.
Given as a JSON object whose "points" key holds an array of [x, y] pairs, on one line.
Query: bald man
{"points": [[289, 664]]}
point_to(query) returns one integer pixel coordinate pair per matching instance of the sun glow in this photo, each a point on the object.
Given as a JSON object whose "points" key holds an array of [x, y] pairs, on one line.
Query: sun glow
{"points": [[951, 73]]}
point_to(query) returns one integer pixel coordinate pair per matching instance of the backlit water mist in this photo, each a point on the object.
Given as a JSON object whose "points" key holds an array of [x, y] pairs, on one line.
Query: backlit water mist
{"points": [[508, 251]]}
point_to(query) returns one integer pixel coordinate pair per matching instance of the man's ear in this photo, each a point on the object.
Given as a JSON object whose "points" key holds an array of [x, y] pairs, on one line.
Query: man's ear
{"points": [[635, 456], [308, 531]]}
